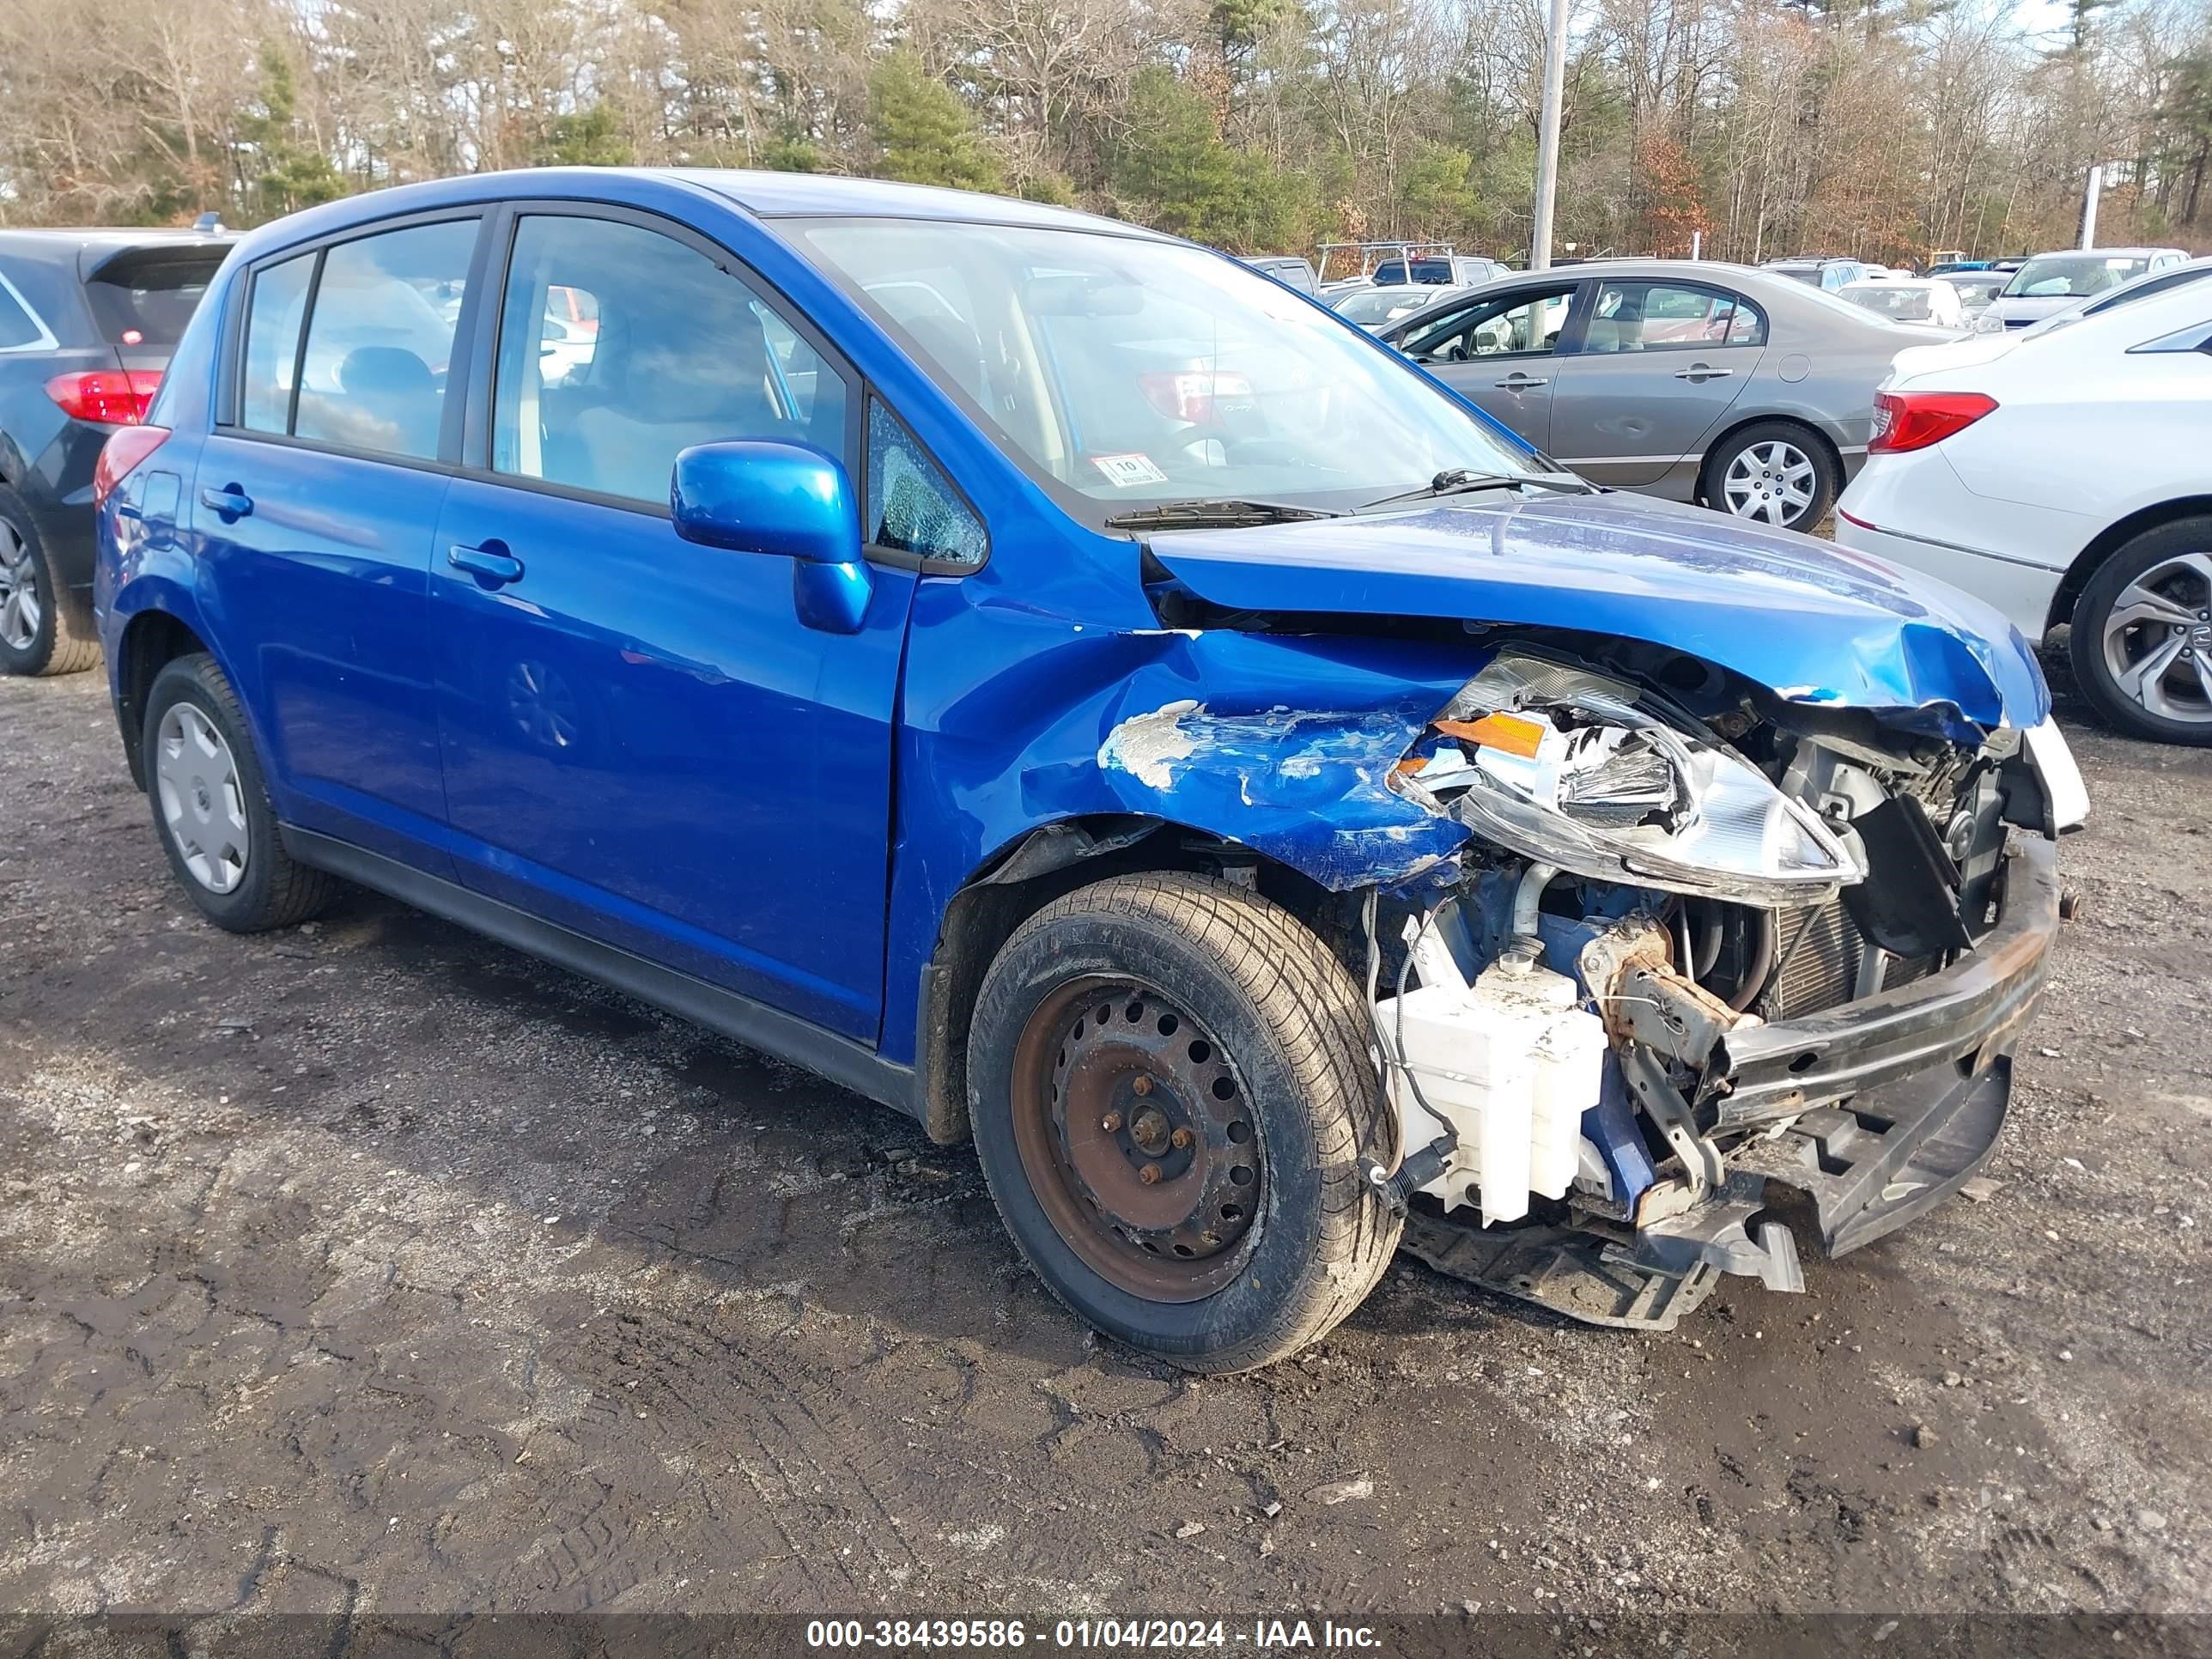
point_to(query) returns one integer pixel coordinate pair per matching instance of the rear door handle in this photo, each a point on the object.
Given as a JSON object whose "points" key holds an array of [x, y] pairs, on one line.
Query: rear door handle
{"points": [[1518, 382], [229, 500], [491, 564], [1699, 371]]}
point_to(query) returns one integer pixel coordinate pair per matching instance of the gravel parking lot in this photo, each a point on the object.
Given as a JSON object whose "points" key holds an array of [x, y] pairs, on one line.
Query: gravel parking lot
{"points": [[372, 1266]]}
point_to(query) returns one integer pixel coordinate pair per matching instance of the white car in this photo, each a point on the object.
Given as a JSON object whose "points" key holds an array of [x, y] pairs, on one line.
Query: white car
{"points": [[1375, 308], [2061, 474], [1908, 300], [2051, 282]]}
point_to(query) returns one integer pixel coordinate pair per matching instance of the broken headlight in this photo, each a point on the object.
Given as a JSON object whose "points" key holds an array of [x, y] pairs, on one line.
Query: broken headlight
{"points": [[1560, 765]]}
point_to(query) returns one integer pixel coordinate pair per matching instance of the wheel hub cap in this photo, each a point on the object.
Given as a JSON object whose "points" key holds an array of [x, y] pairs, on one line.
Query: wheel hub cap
{"points": [[1134, 1130], [196, 788], [2157, 643], [1774, 481], [20, 612]]}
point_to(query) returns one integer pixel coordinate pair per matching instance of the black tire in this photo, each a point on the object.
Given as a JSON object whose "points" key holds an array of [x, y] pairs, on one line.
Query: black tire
{"points": [[275, 890], [64, 641], [1292, 1030], [1826, 475], [2190, 590]]}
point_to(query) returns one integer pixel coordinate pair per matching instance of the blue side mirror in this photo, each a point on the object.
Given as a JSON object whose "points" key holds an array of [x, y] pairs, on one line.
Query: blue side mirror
{"points": [[754, 495]]}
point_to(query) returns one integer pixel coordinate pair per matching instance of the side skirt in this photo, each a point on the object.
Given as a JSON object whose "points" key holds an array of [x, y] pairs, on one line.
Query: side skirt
{"points": [[739, 1019]]}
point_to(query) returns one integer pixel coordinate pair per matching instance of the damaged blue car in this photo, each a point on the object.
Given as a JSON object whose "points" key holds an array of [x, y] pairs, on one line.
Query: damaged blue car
{"points": [[1054, 681]]}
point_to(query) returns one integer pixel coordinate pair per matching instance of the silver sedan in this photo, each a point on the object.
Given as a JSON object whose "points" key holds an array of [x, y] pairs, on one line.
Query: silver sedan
{"points": [[1698, 382]]}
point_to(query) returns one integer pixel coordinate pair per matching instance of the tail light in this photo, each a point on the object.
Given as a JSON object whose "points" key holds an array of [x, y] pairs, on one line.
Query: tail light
{"points": [[110, 396], [121, 456], [1195, 395], [1914, 420]]}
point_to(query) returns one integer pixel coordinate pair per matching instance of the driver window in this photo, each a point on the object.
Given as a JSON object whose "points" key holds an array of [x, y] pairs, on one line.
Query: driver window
{"points": [[1516, 324], [620, 346]]}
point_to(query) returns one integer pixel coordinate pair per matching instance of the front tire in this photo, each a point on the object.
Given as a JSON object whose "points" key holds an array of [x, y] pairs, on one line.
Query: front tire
{"points": [[1171, 1090], [2141, 644], [211, 807], [1775, 472], [44, 627]]}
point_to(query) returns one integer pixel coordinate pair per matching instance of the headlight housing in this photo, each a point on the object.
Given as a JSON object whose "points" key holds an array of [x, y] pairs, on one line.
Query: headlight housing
{"points": [[1558, 764], [1988, 323]]}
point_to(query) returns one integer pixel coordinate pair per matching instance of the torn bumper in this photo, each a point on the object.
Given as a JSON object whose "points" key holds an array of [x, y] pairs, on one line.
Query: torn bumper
{"points": [[1898, 1098], [1953, 1024], [1875, 1112]]}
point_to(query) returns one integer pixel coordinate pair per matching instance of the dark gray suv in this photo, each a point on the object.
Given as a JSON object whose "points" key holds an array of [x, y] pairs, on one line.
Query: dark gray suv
{"points": [[87, 319]]}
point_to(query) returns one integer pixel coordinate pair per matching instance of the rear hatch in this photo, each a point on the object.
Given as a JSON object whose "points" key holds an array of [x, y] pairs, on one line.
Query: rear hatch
{"points": [[141, 297]]}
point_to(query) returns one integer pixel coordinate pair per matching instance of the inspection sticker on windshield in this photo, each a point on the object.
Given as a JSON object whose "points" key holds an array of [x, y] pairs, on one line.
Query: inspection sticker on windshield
{"points": [[1128, 471]]}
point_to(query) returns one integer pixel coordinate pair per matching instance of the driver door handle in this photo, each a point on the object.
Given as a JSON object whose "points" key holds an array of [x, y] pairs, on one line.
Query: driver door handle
{"points": [[492, 565], [1700, 371], [1518, 382]]}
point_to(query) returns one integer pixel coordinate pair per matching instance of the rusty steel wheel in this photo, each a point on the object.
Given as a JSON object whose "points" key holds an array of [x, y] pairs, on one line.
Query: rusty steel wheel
{"points": [[1170, 1088], [1135, 1134]]}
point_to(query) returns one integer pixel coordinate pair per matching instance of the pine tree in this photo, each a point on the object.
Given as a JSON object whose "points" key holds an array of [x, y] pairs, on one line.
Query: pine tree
{"points": [[924, 133]]}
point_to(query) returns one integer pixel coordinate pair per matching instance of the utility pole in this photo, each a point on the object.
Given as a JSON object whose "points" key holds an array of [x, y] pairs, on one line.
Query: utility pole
{"points": [[1547, 137], [2089, 207]]}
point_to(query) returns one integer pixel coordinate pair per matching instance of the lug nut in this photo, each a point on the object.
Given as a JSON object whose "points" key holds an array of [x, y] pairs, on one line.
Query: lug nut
{"points": [[1143, 1086], [1110, 1122], [1150, 1175], [1179, 1140]]}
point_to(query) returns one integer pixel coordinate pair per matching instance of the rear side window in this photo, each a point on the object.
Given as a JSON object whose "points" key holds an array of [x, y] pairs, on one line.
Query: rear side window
{"points": [[1638, 316], [273, 344], [619, 347], [146, 300], [380, 339], [18, 327]]}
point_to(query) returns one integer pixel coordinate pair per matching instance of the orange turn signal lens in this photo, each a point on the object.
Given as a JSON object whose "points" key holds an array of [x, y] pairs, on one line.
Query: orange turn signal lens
{"points": [[1514, 733]]}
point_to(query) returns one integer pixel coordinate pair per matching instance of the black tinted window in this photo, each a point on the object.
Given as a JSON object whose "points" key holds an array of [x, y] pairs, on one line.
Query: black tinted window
{"points": [[653, 348], [272, 343], [146, 300], [380, 338]]}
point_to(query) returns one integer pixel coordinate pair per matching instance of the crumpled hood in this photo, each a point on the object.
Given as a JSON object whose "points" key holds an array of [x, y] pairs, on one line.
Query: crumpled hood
{"points": [[1814, 623]]}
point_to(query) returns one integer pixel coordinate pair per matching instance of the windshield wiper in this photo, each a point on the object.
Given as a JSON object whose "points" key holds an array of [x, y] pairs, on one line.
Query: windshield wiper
{"points": [[1215, 514], [1463, 480]]}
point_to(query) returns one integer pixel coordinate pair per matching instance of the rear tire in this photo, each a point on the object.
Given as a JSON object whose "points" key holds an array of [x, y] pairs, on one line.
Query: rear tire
{"points": [[45, 627], [1775, 472], [211, 807], [1233, 1063], [2141, 643]]}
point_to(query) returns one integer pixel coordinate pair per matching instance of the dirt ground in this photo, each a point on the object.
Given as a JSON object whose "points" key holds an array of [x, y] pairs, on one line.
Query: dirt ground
{"points": [[372, 1266]]}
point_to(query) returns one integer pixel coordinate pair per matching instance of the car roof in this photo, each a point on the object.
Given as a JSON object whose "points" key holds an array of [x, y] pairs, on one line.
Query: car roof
{"points": [[767, 196], [2102, 253], [809, 194]]}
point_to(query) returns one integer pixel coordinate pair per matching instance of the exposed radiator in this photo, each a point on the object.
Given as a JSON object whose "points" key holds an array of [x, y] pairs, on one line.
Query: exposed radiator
{"points": [[1824, 968], [1823, 971]]}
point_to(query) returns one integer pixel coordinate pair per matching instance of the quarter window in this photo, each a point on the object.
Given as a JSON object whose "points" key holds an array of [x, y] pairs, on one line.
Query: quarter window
{"points": [[18, 327], [912, 506], [1669, 317], [273, 344], [620, 347], [381, 340]]}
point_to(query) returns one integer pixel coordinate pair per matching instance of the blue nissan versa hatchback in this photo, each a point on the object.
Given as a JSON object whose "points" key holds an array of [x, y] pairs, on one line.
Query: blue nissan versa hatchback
{"points": [[1062, 684]]}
